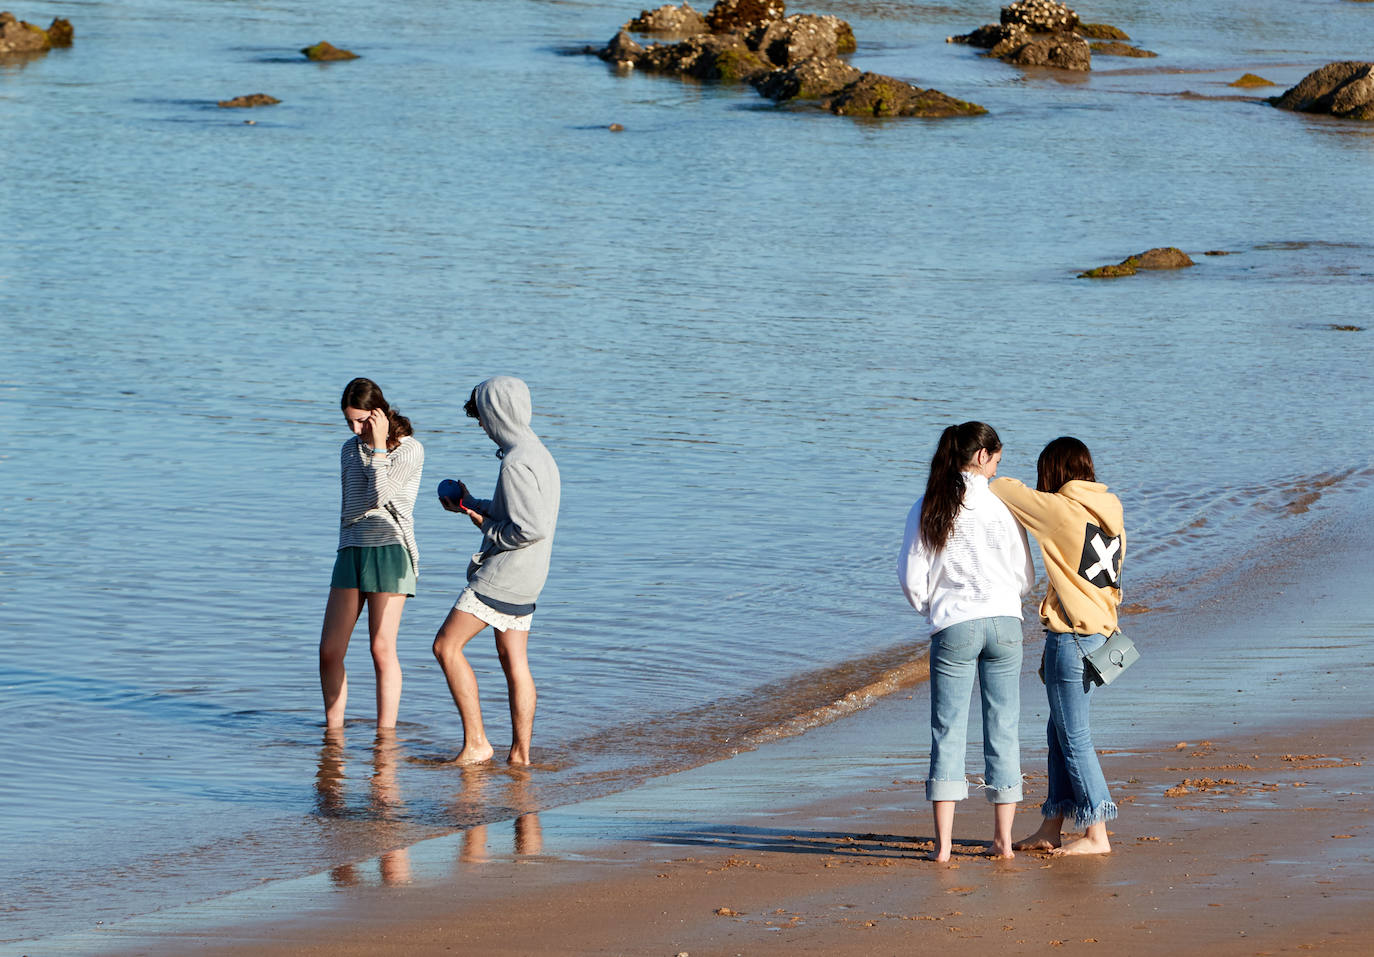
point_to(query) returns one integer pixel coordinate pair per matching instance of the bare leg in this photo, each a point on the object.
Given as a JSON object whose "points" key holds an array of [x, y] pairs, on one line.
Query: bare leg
{"points": [[383, 623], [944, 830], [1093, 842], [1047, 838], [512, 647], [457, 630], [340, 615], [1002, 817]]}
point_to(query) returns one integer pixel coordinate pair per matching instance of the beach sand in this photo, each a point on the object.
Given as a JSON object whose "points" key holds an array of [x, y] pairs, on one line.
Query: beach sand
{"points": [[1238, 750]]}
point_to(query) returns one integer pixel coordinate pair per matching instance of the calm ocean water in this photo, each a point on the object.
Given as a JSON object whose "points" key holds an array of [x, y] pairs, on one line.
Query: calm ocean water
{"points": [[743, 328]]}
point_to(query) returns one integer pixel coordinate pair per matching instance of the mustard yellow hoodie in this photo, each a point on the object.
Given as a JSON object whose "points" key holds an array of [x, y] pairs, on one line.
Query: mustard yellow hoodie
{"points": [[1082, 541]]}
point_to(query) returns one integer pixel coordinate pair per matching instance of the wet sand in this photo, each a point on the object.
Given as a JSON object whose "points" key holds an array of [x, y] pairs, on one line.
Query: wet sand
{"points": [[1239, 753]]}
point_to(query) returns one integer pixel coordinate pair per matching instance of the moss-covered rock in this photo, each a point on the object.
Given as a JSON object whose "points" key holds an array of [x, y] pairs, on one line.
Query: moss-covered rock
{"points": [[1161, 257], [1108, 272], [1100, 31], [874, 94], [1250, 79], [60, 32], [1120, 49], [722, 57], [19, 37], [249, 100], [324, 51]]}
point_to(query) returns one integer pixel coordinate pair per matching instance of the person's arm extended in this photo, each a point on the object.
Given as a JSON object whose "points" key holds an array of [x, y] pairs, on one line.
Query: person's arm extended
{"points": [[1037, 511], [913, 565], [526, 520]]}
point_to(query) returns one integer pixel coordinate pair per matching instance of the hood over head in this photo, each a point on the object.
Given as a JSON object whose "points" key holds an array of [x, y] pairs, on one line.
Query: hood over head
{"points": [[503, 402], [1101, 504]]}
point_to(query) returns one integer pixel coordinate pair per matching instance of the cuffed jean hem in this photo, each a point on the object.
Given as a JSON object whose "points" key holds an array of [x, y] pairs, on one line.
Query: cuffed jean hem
{"points": [[946, 790], [1080, 817], [1007, 795]]}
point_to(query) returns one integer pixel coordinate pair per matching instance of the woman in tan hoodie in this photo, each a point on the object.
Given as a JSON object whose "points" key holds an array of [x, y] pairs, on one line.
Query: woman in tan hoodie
{"points": [[1078, 524]]}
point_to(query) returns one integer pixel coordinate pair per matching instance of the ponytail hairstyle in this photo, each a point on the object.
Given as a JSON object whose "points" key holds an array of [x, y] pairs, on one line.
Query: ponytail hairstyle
{"points": [[366, 395], [1063, 460], [959, 445]]}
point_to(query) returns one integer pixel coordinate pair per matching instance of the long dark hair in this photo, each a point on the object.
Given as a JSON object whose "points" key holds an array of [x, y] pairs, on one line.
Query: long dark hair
{"points": [[367, 395], [1063, 460], [958, 446]]}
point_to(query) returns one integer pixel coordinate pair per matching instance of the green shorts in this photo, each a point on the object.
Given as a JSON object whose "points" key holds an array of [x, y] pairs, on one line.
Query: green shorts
{"points": [[385, 568]]}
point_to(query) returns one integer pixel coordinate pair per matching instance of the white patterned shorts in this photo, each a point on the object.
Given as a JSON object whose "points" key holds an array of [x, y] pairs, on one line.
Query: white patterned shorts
{"points": [[470, 603]]}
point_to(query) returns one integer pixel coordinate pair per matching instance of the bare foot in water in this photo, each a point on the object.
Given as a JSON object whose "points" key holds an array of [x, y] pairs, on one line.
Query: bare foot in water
{"points": [[517, 759], [939, 855], [1003, 851], [474, 754], [1045, 839], [1088, 844]]}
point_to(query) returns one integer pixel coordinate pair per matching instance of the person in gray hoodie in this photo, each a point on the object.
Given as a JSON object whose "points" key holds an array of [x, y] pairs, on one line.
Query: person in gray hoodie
{"points": [[507, 573]]}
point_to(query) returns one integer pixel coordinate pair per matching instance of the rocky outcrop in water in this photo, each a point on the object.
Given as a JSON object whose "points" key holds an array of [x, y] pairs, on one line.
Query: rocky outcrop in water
{"points": [[810, 79], [676, 21], [1161, 257], [783, 57], [1250, 79], [1043, 33], [324, 51], [876, 95], [19, 37], [250, 100], [1344, 89]]}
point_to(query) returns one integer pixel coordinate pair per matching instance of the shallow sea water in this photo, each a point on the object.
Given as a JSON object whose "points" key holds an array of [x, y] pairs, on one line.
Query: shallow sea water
{"points": [[743, 326]]}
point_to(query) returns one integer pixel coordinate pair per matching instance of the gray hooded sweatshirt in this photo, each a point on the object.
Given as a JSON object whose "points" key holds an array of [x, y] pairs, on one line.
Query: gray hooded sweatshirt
{"points": [[517, 535]]}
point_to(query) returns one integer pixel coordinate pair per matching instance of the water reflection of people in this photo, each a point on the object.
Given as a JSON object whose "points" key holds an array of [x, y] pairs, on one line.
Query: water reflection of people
{"points": [[475, 847], [384, 805]]}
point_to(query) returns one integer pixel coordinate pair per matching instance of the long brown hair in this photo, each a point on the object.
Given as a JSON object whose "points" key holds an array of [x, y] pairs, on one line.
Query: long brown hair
{"points": [[1063, 460], [367, 395], [958, 446]]}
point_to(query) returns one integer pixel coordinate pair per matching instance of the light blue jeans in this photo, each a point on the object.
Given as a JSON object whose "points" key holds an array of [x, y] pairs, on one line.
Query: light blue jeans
{"points": [[1077, 788], [990, 648]]}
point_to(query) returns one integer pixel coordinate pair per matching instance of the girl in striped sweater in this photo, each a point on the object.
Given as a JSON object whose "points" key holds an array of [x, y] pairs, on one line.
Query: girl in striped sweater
{"points": [[377, 559]]}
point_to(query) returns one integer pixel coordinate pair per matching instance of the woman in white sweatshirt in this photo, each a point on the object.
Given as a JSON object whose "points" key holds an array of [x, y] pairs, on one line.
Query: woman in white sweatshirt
{"points": [[966, 565]]}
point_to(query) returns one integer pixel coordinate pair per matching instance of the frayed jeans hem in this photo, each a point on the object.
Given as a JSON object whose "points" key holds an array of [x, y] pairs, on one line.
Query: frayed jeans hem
{"points": [[1081, 817]]}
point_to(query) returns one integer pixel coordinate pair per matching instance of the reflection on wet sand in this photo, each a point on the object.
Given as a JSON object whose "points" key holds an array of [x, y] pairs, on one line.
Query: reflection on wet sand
{"points": [[382, 810], [483, 782]]}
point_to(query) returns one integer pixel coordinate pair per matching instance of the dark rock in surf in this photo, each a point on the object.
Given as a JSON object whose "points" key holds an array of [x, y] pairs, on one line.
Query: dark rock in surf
{"points": [[60, 32], [722, 57], [1161, 257], [1344, 89], [810, 79], [676, 21], [324, 52], [873, 94], [621, 50], [250, 100], [1063, 51], [1119, 49], [729, 16]]}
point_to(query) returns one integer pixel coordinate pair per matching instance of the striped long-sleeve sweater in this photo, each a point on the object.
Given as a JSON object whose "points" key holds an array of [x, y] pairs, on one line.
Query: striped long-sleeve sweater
{"points": [[379, 496]]}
